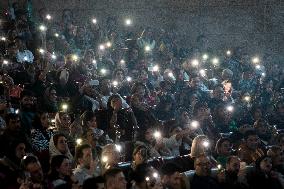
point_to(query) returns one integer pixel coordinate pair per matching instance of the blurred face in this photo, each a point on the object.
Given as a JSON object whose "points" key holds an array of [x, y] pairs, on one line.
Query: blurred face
{"points": [[87, 157], [91, 138], [227, 87], [116, 103], [218, 93], [234, 165], [93, 122], [119, 181], [3, 104], [44, 120], [28, 101], [261, 127], [20, 150], [65, 121], [52, 96], [202, 166], [149, 135], [15, 124], [278, 159], [266, 165], [119, 76], [257, 114], [140, 90], [65, 168], [226, 148], [35, 171], [253, 142], [185, 117], [62, 145], [139, 157], [172, 181]]}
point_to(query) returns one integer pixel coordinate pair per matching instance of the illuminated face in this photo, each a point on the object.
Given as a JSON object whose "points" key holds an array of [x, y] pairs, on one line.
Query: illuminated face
{"points": [[62, 145], [93, 122], [174, 180], [65, 121], [87, 157], [120, 181], [253, 141]]}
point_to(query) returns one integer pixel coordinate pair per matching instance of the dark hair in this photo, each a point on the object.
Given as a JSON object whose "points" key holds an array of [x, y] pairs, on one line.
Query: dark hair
{"points": [[11, 116], [249, 133], [169, 169], [87, 116], [110, 99], [79, 151], [136, 85], [145, 154], [230, 158], [111, 173], [37, 120], [56, 137], [91, 183], [220, 142], [55, 163], [27, 160], [258, 162]]}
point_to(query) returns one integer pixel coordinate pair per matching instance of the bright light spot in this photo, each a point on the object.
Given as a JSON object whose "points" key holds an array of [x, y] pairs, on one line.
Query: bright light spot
{"points": [[206, 144], [147, 179], [157, 134], [202, 72], [147, 48], [128, 22], [128, 79], [94, 61], [155, 175], [75, 57], [122, 61], [48, 17], [5, 62], [257, 67], [53, 56], [205, 57], [25, 58], [17, 111], [104, 159], [103, 71], [94, 20], [194, 124], [170, 74], [108, 44], [255, 60], [79, 141], [228, 52], [114, 83], [41, 51], [56, 35], [230, 108], [263, 74], [215, 61], [3, 38], [64, 107], [42, 28], [194, 62], [53, 121], [102, 47], [118, 147], [247, 98], [219, 166], [155, 68]]}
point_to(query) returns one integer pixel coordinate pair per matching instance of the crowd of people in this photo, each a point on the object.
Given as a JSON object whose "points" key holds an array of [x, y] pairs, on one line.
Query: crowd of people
{"points": [[99, 105]]}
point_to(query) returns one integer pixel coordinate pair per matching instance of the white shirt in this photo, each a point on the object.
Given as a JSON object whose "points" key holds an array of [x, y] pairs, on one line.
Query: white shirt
{"points": [[25, 56]]}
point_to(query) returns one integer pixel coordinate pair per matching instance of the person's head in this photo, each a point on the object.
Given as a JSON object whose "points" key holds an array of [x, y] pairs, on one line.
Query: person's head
{"points": [[31, 165], [277, 155], [118, 75], [114, 179], [16, 150], [170, 174], [94, 183], [27, 100], [41, 120], [261, 126], [227, 85], [280, 108], [89, 120], [13, 122], [233, 164], [62, 121], [223, 147], [195, 82], [110, 155], [201, 109], [143, 75], [256, 112], [51, 94], [263, 164], [139, 89], [218, 93], [60, 167], [83, 155], [252, 140], [202, 165], [183, 116], [140, 154], [115, 102], [200, 146], [105, 87], [60, 143], [227, 74]]}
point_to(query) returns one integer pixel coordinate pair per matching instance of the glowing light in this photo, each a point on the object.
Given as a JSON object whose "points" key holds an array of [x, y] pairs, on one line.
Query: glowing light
{"points": [[53, 56], [228, 53], [128, 22], [255, 60], [115, 83], [103, 71], [48, 17], [147, 48], [155, 175], [215, 61], [102, 47], [5, 62], [147, 179], [41, 51], [17, 111], [56, 35], [128, 79], [108, 44], [42, 28], [94, 61], [122, 61], [247, 98], [195, 62], [104, 159], [230, 108], [25, 58], [118, 147], [219, 166], [155, 68], [75, 57], [79, 141], [157, 134], [263, 74], [94, 20], [3, 38], [170, 74], [202, 72], [64, 107], [257, 67], [53, 121], [205, 57], [206, 144], [194, 124]]}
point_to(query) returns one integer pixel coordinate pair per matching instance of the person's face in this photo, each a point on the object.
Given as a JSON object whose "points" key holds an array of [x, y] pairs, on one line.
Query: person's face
{"points": [[65, 168], [119, 181], [227, 87], [3, 104], [106, 86], [119, 76], [257, 114], [91, 138], [261, 127], [218, 93], [226, 148], [149, 135], [87, 157], [116, 103], [65, 121], [15, 124], [253, 142], [173, 181], [138, 157], [35, 171], [27, 101], [202, 166], [20, 150], [62, 145], [185, 117], [93, 122], [140, 90], [44, 120], [53, 96], [234, 165], [266, 165]]}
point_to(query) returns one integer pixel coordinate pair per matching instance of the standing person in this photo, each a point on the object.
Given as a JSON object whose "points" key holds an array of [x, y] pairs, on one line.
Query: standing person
{"points": [[114, 179]]}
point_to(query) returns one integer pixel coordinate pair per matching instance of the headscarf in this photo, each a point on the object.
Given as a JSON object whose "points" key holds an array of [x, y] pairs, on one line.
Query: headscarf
{"points": [[53, 151]]}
